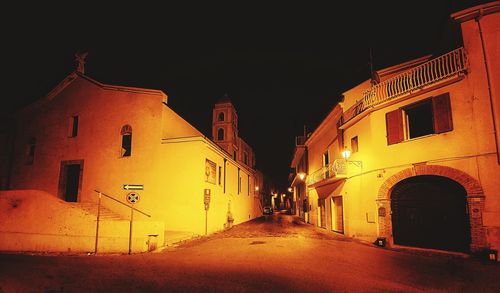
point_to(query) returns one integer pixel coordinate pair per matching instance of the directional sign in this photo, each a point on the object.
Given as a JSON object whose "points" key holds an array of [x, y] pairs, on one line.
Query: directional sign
{"points": [[133, 186], [133, 197]]}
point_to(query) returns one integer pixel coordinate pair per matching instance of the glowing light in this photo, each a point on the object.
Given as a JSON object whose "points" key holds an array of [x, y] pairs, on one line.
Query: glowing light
{"points": [[289, 189], [346, 153], [256, 188], [302, 175]]}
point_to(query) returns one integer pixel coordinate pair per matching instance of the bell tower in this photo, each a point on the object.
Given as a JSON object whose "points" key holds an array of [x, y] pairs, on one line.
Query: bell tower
{"points": [[225, 126]]}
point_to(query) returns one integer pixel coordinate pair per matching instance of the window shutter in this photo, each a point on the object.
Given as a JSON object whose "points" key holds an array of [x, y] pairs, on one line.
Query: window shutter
{"points": [[340, 134], [442, 113], [394, 126]]}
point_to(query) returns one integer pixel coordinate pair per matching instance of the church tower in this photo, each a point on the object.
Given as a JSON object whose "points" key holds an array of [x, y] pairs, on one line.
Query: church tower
{"points": [[225, 126]]}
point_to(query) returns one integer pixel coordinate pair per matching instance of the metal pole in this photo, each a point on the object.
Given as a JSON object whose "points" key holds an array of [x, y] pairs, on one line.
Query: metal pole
{"points": [[97, 223], [130, 231]]}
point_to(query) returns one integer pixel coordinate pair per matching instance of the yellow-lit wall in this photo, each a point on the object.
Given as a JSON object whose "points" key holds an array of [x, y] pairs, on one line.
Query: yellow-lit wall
{"points": [[470, 147], [168, 156]]}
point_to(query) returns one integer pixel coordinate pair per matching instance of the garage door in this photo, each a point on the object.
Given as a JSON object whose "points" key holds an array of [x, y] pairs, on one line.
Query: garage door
{"points": [[430, 212]]}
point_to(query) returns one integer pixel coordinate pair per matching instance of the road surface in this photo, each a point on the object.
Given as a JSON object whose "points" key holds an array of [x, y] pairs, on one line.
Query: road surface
{"points": [[275, 253]]}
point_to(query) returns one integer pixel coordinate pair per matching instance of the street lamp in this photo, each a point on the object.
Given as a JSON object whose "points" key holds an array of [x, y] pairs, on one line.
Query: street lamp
{"points": [[302, 175], [289, 189], [346, 154]]}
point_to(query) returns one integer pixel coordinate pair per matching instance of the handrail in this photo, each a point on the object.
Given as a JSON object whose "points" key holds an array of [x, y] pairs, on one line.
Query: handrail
{"points": [[130, 206], [432, 71]]}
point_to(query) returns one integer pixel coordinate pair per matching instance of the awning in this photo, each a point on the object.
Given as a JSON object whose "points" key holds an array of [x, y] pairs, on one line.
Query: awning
{"points": [[325, 188]]}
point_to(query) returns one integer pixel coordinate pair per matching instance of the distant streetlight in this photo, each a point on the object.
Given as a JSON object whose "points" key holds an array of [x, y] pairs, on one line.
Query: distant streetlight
{"points": [[256, 188], [289, 189], [302, 175]]}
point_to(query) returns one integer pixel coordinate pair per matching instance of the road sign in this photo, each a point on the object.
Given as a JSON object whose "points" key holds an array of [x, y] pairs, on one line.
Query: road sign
{"points": [[133, 197], [206, 198], [133, 186]]}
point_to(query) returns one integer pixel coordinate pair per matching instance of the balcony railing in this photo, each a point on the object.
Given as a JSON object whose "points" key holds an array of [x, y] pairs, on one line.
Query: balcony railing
{"points": [[300, 140], [337, 169], [432, 71]]}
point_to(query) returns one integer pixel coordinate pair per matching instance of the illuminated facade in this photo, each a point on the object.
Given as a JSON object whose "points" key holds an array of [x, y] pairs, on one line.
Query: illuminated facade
{"points": [[424, 150], [85, 136]]}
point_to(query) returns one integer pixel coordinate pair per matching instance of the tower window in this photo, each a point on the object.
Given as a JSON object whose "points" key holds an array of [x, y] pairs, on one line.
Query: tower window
{"points": [[126, 134], [220, 134], [221, 116]]}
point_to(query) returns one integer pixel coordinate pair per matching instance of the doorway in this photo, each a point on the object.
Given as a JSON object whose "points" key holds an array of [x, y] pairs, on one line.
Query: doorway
{"points": [[430, 212], [70, 180], [337, 211]]}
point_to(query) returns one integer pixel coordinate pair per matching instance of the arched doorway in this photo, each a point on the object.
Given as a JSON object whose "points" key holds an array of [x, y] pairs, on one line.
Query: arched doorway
{"points": [[430, 212]]}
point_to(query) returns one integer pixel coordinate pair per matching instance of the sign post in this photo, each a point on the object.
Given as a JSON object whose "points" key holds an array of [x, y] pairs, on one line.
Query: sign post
{"points": [[206, 201], [132, 198]]}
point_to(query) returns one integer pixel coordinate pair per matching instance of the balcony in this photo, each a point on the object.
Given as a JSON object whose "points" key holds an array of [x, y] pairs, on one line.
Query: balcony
{"points": [[300, 140], [428, 73], [329, 173]]}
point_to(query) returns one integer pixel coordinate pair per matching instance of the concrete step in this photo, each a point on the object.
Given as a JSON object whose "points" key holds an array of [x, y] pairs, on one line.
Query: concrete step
{"points": [[104, 214]]}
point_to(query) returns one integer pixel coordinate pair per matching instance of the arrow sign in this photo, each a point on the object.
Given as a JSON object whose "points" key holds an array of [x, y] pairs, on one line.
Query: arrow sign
{"points": [[133, 186]]}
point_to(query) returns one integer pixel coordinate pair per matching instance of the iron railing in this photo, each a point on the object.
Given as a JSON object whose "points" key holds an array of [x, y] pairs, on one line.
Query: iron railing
{"points": [[332, 170], [430, 72]]}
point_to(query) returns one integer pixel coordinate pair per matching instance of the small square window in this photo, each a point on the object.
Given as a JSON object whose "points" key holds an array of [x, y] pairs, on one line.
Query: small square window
{"points": [[354, 144]]}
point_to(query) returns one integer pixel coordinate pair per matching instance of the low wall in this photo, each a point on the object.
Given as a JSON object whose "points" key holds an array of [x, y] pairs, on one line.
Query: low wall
{"points": [[36, 221]]}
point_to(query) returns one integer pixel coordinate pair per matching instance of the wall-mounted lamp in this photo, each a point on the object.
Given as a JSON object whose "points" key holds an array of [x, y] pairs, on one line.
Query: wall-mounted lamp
{"points": [[302, 175], [346, 154], [289, 189], [256, 188]]}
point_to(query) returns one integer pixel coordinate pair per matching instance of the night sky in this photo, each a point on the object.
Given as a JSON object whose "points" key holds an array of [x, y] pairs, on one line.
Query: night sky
{"points": [[282, 66]]}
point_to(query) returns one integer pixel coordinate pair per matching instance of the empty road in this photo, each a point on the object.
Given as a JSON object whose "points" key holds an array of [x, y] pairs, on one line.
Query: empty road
{"points": [[275, 253]]}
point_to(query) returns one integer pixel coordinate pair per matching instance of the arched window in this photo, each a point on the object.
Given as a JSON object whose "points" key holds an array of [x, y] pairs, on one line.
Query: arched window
{"points": [[126, 134], [221, 116], [220, 134]]}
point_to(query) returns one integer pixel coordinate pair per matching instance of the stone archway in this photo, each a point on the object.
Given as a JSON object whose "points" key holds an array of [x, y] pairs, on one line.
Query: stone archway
{"points": [[475, 200]]}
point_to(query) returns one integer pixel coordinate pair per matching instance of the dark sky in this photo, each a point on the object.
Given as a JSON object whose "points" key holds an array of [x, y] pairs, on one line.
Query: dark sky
{"points": [[283, 66]]}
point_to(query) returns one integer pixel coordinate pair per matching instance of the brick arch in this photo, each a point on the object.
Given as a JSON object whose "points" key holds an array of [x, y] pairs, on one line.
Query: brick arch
{"points": [[475, 200], [471, 185]]}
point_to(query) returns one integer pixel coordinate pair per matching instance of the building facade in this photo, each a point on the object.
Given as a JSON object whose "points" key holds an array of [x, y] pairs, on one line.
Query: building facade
{"points": [[412, 157], [86, 138]]}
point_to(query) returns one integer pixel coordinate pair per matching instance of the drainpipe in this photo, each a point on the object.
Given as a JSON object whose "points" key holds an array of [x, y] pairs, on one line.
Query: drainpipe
{"points": [[488, 79]]}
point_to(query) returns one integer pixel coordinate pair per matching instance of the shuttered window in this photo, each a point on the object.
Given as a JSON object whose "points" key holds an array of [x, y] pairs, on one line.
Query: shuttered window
{"points": [[442, 113], [394, 126], [429, 116], [340, 134]]}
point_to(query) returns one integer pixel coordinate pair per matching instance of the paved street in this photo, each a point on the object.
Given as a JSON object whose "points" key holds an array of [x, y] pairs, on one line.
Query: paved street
{"points": [[270, 254]]}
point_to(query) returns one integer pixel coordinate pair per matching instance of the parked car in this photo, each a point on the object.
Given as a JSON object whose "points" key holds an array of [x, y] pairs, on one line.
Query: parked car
{"points": [[268, 210]]}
